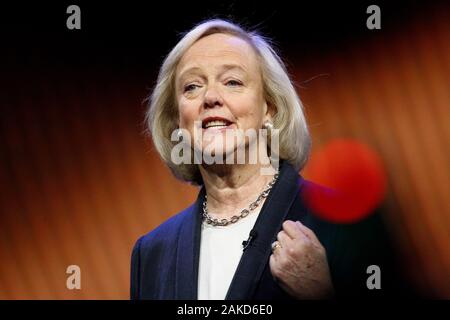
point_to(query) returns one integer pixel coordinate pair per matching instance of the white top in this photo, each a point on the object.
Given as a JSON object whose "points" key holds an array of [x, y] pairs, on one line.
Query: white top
{"points": [[220, 252]]}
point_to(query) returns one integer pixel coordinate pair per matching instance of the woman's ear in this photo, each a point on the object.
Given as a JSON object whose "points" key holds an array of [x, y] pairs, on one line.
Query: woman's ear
{"points": [[271, 110]]}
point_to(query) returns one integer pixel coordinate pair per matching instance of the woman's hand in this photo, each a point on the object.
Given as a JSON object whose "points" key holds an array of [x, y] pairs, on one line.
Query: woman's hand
{"points": [[299, 263]]}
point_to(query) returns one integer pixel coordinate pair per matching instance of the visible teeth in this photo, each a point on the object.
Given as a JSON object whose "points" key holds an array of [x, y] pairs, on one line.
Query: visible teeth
{"points": [[215, 123]]}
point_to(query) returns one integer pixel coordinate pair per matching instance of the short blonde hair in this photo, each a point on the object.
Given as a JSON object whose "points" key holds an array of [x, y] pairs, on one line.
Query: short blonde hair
{"points": [[278, 90]]}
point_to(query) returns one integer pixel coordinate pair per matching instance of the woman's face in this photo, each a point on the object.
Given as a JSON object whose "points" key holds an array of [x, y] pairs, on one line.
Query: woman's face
{"points": [[219, 88]]}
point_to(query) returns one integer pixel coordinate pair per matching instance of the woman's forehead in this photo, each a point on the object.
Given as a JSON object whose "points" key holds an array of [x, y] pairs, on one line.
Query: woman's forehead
{"points": [[218, 50]]}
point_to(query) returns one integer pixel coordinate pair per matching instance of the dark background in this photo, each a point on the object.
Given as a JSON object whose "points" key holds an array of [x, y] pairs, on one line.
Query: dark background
{"points": [[136, 35]]}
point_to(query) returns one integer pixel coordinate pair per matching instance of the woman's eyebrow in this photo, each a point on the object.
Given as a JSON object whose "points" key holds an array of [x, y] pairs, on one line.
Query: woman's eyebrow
{"points": [[223, 68], [228, 67], [188, 71]]}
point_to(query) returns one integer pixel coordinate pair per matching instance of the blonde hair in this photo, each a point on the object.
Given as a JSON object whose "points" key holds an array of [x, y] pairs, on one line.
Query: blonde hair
{"points": [[278, 90]]}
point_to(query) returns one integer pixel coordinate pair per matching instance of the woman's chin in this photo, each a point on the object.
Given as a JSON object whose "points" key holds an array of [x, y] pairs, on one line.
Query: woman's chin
{"points": [[213, 153]]}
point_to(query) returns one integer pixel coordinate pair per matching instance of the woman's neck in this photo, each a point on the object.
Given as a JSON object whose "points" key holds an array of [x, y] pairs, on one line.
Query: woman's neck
{"points": [[230, 188]]}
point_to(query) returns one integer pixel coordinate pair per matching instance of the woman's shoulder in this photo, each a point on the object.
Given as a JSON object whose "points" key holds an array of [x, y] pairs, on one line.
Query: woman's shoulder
{"points": [[168, 230]]}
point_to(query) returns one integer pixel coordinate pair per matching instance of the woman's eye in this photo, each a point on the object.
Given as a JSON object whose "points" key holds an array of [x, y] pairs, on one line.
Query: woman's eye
{"points": [[190, 87], [233, 83]]}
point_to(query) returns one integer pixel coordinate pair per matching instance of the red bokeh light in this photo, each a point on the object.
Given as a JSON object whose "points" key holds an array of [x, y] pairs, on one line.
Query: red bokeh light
{"points": [[355, 175]]}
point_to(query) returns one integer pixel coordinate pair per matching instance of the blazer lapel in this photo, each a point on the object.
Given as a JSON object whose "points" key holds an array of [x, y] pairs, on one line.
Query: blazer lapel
{"points": [[269, 222], [188, 251]]}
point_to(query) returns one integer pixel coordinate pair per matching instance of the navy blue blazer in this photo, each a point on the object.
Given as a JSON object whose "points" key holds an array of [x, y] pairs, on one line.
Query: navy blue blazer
{"points": [[164, 263]]}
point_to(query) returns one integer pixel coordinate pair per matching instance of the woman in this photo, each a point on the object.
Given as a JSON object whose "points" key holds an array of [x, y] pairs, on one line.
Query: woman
{"points": [[249, 234]]}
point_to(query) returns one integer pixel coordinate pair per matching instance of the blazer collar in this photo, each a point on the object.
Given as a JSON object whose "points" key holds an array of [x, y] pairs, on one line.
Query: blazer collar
{"points": [[188, 252], [270, 219], [254, 258]]}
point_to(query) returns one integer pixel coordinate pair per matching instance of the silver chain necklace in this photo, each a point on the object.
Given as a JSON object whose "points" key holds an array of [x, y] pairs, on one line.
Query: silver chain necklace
{"points": [[245, 212]]}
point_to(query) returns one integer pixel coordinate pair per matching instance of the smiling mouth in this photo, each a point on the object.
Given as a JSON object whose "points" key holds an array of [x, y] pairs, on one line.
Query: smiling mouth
{"points": [[216, 123]]}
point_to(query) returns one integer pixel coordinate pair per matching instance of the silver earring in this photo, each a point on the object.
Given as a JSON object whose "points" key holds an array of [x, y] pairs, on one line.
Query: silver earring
{"points": [[179, 133], [268, 125]]}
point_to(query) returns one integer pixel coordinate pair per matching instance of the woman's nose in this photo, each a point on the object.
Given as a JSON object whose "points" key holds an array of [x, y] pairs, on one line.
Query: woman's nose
{"points": [[212, 98]]}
